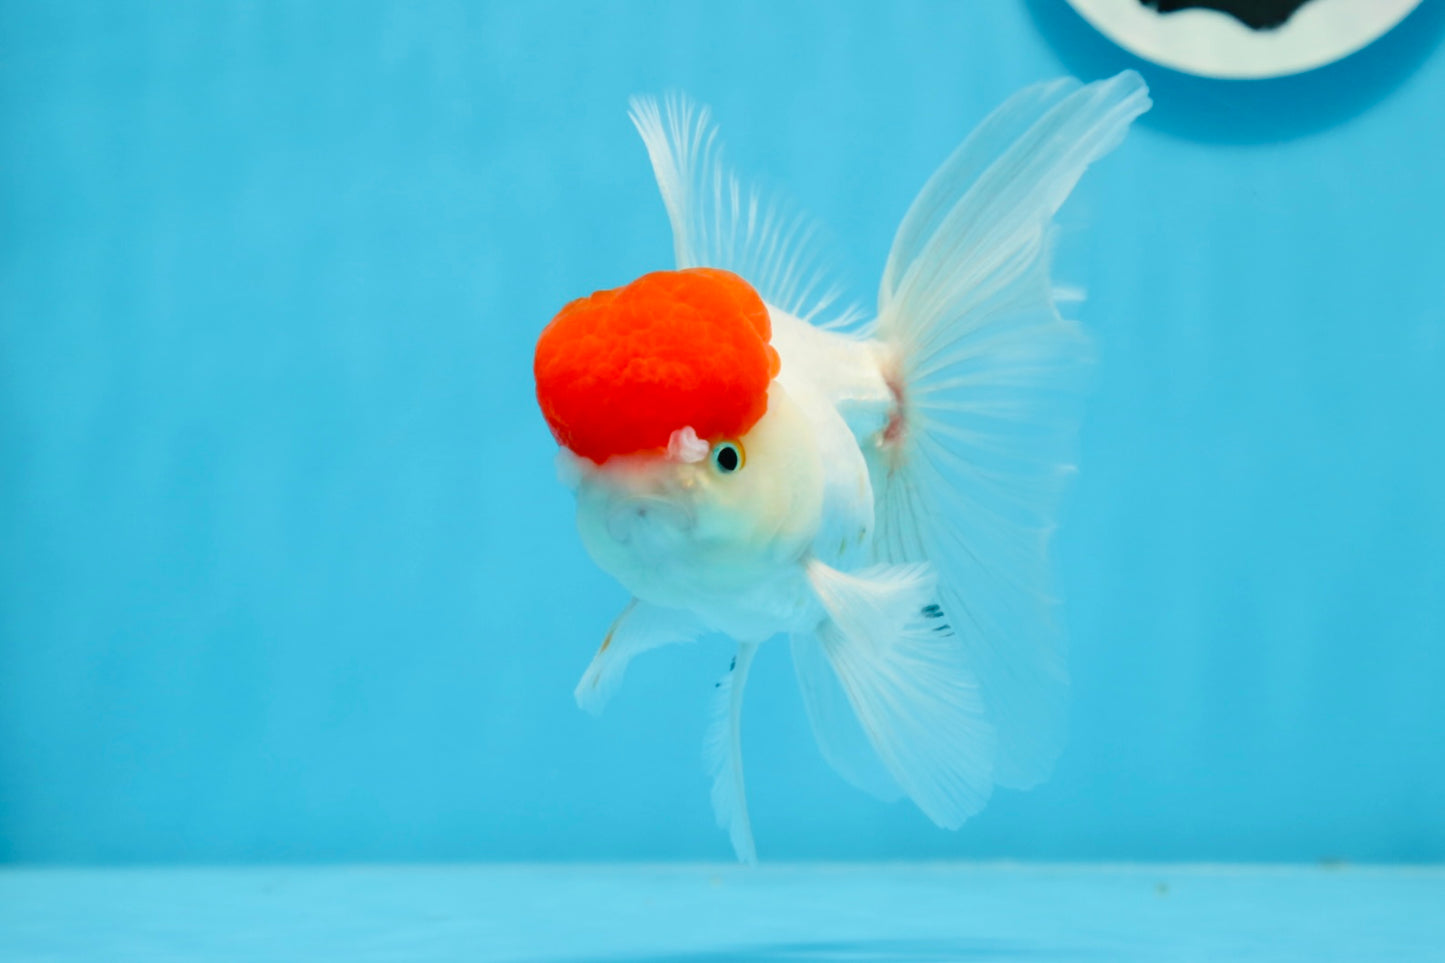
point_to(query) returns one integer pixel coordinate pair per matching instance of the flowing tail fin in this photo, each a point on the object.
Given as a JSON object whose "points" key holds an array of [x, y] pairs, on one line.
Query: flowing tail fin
{"points": [[988, 377]]}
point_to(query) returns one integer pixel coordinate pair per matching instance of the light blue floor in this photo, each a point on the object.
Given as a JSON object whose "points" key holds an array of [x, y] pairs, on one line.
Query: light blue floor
{"points": [[906, 912]]}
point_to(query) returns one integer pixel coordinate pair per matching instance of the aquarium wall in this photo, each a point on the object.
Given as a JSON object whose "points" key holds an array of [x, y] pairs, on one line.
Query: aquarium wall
{"points": [[286, 572]]}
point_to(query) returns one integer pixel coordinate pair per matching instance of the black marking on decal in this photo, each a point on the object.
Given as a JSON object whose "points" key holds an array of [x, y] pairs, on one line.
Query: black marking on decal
{"points": [[1254, 14]]}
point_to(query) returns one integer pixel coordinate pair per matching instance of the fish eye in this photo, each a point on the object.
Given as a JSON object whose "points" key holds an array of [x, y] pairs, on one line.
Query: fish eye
{"points": [[727, 456]]}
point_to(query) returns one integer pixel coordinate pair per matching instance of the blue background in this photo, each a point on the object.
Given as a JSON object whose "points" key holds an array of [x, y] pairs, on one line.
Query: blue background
{"points": [[284, 569]]}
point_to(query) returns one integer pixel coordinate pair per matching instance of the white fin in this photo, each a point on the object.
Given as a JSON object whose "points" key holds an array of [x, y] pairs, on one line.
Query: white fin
{"points": [[840, 737], [719, 222], [723, 753], [910, 687], [640, 627], [991, 376]]}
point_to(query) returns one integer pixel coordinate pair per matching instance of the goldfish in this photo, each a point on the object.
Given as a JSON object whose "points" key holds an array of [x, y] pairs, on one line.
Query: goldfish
{"points": [[748, 458]]}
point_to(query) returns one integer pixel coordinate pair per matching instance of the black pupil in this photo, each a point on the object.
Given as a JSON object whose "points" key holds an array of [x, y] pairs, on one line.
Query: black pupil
{"points": [[727, 458]]}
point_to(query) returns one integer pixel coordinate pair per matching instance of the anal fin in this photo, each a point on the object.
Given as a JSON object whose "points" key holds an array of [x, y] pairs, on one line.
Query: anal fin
{"points": [[723, 753]]}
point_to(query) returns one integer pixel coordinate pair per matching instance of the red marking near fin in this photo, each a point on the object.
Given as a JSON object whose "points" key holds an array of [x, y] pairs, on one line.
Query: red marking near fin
{"points": [[618, 372]]}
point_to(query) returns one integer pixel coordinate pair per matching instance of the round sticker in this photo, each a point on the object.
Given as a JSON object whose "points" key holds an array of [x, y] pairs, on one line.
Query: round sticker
{"points": [[1242, 39]]}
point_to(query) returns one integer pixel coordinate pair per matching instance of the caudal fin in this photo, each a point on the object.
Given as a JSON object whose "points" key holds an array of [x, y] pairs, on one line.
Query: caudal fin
{"points": [[989, 376]]}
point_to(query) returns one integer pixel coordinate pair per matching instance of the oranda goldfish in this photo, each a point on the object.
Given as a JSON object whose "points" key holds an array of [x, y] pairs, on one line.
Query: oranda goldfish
{"points": [[881, 491]]}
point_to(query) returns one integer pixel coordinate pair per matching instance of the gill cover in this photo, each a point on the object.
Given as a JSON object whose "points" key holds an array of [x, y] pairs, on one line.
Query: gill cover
{"points": [[618, 372]]}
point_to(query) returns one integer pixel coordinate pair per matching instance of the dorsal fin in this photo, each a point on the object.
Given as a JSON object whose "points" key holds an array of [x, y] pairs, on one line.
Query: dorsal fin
{"points": [[718, 221]]}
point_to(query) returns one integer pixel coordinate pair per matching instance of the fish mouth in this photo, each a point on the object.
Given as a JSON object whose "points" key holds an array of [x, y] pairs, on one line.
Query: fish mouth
{"points": [[648, 521]]}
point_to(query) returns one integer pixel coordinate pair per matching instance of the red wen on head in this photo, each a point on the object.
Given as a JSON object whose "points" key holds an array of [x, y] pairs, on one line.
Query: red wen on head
{"points": [[618, 372]]}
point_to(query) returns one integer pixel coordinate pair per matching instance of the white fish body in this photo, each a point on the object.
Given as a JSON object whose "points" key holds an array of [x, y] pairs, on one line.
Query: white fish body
{"points": [[898, 492]]}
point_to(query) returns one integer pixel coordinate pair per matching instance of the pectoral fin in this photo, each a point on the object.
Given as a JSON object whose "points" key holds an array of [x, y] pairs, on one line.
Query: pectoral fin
{"points": [[910, 685], [640, 627], [840, 738]]}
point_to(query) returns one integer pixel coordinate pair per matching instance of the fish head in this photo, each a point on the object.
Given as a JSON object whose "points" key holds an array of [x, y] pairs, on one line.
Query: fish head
{"points": [[707, 518], [696, 475]]}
